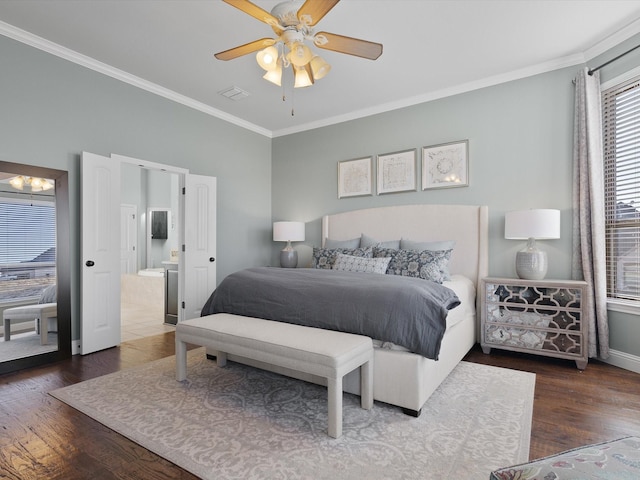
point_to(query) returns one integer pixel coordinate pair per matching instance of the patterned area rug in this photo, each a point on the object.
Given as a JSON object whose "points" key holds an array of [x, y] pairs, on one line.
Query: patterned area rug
{"points": [[239, 422], [619, 460]]}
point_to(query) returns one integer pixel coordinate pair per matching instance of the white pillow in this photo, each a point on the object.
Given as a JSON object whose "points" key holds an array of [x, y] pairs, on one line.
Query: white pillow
{"points": [[350, 263]]}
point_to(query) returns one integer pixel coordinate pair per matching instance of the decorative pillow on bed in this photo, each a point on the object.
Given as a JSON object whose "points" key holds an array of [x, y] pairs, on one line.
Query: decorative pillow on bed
{"points": [[434, 245], [352, 243], [426, 264], [367, 241], [351, 263], [325, 257]]}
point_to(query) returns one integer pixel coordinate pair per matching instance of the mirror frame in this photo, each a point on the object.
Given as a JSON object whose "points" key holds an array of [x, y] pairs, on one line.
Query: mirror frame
{"points": [[63, 266]]}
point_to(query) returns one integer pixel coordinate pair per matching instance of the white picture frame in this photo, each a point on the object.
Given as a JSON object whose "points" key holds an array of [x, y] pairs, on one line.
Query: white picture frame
{"points": [[397, 172], [355, 177], [445, 165]]}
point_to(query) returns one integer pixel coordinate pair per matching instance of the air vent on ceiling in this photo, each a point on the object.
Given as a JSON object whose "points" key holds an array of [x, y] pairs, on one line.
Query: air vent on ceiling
{"points": [[234, 93]]}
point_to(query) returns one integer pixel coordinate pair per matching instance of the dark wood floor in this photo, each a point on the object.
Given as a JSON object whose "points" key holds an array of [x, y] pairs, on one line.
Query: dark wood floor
{"points": [[42, 438]]}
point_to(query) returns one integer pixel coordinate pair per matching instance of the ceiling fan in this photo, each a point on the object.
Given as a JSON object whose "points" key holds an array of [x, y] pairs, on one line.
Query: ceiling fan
{"points": [[293, 22]]}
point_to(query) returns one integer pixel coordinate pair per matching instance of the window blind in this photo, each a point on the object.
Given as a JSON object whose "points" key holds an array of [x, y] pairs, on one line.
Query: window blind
{"points": [[621, 142], [27, 232]]}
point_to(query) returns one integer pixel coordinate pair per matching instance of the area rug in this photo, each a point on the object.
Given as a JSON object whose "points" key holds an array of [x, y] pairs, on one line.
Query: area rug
{"points": [[239, 422], [618, 459]]}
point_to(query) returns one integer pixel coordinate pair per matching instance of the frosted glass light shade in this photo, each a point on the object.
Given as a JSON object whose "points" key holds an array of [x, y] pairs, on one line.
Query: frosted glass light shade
{"points": [[319, 67], [303, 77], [300, 54], [268, 58], [274, 76]]}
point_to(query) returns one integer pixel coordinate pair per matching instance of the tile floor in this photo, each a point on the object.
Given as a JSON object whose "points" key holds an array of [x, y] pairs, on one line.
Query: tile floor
{"points": [[140, 321], [142, 308]]}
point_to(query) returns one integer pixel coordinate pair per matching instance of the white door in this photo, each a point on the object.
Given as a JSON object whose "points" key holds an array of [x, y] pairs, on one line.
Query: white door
{"points": [[199, 255], [100, 309], [128, 239]]}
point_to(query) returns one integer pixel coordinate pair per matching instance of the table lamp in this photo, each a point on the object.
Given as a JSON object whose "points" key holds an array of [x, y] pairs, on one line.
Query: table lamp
{"points": [[288, 232], [532, 225]]}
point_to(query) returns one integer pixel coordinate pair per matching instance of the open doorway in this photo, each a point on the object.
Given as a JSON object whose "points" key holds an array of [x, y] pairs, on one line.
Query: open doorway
{"points": [[149, 250]]}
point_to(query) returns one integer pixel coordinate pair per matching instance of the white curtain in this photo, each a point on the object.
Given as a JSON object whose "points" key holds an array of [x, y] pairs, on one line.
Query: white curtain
{"points": [[588, 262]]}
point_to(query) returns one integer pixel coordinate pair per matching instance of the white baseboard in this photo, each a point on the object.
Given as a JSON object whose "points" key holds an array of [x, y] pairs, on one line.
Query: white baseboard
{"points": [[623, 360], [75, 347]]}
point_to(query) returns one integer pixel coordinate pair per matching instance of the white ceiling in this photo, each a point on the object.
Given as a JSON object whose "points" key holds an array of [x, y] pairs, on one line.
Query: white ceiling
{"points": [[432, 48]]}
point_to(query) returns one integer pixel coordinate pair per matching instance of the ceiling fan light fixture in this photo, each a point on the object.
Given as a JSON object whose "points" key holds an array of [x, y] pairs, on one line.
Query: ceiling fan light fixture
{"points": [[17, 182], [300, 54], [319, 67], [37, 184], [268, 58], [302, 76], [275, 75]]}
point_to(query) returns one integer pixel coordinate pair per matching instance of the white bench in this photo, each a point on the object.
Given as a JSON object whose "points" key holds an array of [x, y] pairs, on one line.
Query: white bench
{"points": [[44, 315], [315, 351]]}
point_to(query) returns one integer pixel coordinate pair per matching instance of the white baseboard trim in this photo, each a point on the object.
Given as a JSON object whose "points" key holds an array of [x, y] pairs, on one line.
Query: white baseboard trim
{"points": [[623, 360], [75, 347]]}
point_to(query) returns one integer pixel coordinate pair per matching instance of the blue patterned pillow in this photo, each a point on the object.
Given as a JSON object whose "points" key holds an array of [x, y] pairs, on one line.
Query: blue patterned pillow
{"points": [[426, 264], [325, 257], [351, 263]]}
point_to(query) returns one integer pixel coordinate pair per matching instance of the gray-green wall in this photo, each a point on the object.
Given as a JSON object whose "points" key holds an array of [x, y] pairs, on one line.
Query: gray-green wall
{"points": [[51, 110], [520, 142], [520, 136]]}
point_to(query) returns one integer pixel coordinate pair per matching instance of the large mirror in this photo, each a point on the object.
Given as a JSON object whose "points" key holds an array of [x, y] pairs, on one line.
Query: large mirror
{"points": [[35, 272]]}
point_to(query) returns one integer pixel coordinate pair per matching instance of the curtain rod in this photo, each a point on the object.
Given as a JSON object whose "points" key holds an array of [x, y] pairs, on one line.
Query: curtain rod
{"points": [[593, 70]]}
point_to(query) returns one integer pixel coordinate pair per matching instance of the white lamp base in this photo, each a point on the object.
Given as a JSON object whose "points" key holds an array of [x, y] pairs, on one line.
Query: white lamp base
{"points": [[531, 263]]}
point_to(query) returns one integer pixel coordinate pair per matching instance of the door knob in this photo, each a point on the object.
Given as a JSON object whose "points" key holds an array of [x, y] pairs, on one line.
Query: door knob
{"points": [[211, 259], [90, 263]]}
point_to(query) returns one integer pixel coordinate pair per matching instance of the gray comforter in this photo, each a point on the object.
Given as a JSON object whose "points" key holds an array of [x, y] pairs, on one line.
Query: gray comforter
{"points": [[406, 311]]}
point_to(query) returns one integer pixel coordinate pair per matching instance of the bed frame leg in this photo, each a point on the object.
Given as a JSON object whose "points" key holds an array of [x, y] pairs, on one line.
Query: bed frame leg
{"points": [[412, 413]]}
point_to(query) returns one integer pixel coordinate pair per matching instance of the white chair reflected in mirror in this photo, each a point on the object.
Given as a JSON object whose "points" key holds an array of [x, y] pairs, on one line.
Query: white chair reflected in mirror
{"points": [[44, 314]]}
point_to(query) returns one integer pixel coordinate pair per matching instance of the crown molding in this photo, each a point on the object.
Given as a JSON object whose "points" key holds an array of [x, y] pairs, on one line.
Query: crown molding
{"points": [[613, 40], [58, 50], [446, 92]]}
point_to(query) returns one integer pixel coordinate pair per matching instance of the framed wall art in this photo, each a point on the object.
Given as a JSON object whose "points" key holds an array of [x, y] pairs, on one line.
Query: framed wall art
{"points": [[397, 172], [445, 165], [354, 177]]}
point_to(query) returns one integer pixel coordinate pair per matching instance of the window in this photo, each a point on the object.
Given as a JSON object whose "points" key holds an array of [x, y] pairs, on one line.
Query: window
{"points": [[621, 141], [27, 248]]}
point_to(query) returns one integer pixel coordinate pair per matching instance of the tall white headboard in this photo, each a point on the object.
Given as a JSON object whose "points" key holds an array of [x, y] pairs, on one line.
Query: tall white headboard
{"points": [[466, 224]]}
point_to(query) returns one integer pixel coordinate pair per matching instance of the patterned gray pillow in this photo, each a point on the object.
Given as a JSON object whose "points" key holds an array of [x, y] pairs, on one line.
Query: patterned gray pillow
{"points": [[426, 264], [351, 263], [325, 257]]}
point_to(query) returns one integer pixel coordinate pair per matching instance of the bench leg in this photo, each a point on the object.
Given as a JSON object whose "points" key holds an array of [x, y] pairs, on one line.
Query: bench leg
{"points": [[181, 360], [221, 359], [366, 385], [334, 392], [43, 323], [7, 329]]}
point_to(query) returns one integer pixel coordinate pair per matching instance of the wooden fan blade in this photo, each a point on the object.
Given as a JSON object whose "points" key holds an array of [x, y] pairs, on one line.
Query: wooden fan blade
{"points": [[245, 49], [348, 45], [316, 9], [255, 11]]}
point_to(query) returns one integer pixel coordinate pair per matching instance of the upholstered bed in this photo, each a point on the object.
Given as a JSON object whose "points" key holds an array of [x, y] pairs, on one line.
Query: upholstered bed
{"points": [[401, 377]]}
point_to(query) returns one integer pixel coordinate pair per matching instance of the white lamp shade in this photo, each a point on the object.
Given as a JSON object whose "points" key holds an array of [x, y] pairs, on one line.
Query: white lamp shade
{"points": [[541, 224], [288, 231]]}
